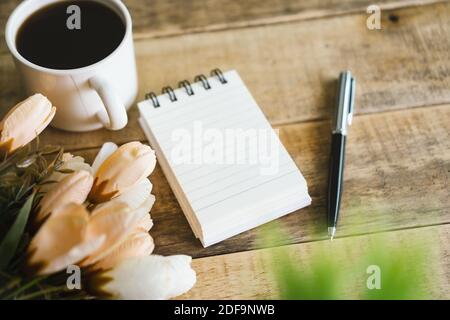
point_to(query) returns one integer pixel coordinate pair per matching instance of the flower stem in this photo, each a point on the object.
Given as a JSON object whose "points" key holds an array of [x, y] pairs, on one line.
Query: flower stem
{"points": [[13, 282], [25, 287], [37, 294]]}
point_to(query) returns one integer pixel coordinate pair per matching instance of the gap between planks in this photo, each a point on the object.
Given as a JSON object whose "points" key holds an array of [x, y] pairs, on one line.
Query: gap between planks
{"points": [[275, 125], [284, 12], [394, 68]]}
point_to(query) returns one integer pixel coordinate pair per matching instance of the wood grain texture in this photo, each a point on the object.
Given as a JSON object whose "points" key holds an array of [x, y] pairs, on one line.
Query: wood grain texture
{"points": [[290, 53], [249, 275], [159, 18], [397, 176], [292, 68], [174, 17]]}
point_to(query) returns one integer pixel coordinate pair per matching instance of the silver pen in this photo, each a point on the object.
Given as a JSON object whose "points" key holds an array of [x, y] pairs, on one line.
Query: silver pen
{"points": [[342, 120]]}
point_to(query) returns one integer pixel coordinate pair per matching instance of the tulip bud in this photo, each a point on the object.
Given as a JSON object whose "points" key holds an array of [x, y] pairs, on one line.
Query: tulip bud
{"points": [[25, 122], [116, 221], [137, 244], [61, 241], [122, 170], [73, 188], [69, 163], [145, 278]]}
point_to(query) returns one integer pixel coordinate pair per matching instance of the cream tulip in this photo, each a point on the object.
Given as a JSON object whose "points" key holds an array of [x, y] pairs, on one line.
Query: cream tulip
{"points": [[135, 196], [73, 188], [107, 149], [25, 122], [114, 220], [61, 241], [69, 163], [146, 223], [145, 278], [124, 168], [137, 244], [74, 163]]}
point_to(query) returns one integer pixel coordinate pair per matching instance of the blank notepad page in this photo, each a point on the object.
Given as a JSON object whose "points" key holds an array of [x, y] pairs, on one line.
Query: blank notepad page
{"points": [[224, 162]]}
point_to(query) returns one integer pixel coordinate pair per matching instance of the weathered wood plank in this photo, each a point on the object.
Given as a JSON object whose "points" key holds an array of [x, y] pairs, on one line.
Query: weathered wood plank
{"points": [[160, 18], [397, 176], [291, 68], [249, 275], [168, 18]]}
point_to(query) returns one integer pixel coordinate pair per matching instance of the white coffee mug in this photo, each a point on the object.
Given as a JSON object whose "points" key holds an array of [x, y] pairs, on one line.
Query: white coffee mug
{"points": [[87, 98]]}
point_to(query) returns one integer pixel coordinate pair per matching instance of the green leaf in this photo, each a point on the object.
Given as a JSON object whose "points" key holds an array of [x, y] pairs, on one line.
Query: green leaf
{"points": [[11, 241]]}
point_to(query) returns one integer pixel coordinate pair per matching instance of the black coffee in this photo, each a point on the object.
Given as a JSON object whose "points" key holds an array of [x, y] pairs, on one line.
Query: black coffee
{"points": [[46, 39]]}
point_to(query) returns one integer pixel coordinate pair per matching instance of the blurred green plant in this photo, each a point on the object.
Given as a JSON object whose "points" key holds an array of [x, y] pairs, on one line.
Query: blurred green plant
{"points": [[349, 269]]}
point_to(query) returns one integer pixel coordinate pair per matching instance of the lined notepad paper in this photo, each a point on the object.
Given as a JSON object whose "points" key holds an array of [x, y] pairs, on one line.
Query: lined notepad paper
{"points": [[224, 162]]}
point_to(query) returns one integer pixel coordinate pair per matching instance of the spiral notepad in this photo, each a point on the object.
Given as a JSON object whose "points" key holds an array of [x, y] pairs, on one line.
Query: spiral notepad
{"points": [[224, 162]]}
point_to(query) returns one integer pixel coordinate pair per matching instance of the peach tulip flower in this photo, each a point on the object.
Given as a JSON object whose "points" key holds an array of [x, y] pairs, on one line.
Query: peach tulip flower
{"points": [[70, 163], [146, 223], [25, 122], [145, 278], [61, 241], [107, 149], [73, 188], [135, 196], [121, 170], [116, 221], [137, 244]]}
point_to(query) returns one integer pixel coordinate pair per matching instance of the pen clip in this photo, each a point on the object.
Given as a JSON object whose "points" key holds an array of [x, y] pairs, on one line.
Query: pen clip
{"points": [[351, 101]]}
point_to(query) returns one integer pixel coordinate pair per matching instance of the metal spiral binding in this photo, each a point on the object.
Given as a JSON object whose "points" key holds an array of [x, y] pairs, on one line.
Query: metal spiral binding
{"points": [[152, 96], [187, 86], [171, 93], [219, 74], [201, 78]]}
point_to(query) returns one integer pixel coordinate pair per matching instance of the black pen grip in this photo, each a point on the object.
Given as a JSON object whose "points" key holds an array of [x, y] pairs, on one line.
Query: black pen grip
{"points": [[335, 177]]}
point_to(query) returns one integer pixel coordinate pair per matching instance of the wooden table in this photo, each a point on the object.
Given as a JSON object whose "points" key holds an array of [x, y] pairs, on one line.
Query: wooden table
{"points": [[289, 53]]}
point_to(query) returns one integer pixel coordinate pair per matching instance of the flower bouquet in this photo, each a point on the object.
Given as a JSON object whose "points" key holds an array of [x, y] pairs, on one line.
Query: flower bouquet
{"points": [[70, 230]]}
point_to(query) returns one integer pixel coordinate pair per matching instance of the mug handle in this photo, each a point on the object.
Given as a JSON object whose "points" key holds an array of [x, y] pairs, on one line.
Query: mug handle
{"points": [[117, 114]]}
